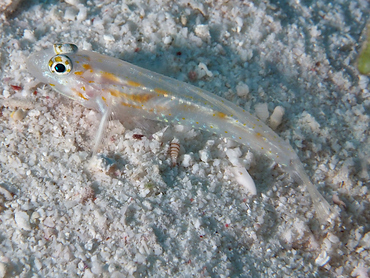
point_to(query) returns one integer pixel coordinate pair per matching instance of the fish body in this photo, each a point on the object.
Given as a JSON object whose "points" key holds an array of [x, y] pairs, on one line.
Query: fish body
{"points": [[110, 85]]}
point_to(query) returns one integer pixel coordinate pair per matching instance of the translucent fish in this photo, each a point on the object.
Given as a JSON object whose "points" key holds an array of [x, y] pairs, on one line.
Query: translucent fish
{"points": [[110, 85]]}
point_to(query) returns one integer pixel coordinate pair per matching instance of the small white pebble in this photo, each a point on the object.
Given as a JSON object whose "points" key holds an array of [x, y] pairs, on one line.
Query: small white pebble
{"points": [[8, 196], [22, 220], [167, 40], [70, 14], [76, 158], [6, 93], [96, 265], [2, 270], [202, 31], [34, 113], [322, 259], [233, 155], [333, 238], [73, 2], [184, 20], [276, 117], [365, 241], [239, 22], [29, 35], [242, 89], [82, 14], [314, 32], [204, 155], [363, 81], [38, 264], [187, 160], [34, 217], [109, 38]]}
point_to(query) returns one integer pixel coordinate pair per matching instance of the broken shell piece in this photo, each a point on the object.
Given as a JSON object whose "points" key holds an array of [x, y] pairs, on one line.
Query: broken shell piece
{"points": [[7, 195], [9, 6], [322, 259], [184, 20], [18, 115], [338, 201], [243, 178]]}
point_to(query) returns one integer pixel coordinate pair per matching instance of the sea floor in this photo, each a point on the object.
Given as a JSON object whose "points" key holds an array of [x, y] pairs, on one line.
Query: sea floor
{"points": [[129, 212]]}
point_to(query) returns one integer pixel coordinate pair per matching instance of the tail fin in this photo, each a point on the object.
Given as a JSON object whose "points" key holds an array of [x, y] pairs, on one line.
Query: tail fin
{"points": [[322, 207]]}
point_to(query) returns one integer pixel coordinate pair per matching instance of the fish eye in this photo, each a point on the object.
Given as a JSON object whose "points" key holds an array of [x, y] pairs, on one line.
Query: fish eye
{"points": [[60, 64], [60, 68]]}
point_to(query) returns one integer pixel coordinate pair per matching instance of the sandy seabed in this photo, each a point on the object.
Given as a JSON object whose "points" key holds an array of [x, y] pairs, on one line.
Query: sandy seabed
{"points": [[130, 213]]}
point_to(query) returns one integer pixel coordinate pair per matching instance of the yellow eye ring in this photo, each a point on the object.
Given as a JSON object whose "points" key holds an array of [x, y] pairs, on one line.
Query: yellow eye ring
{"points": [[60, 64]]}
